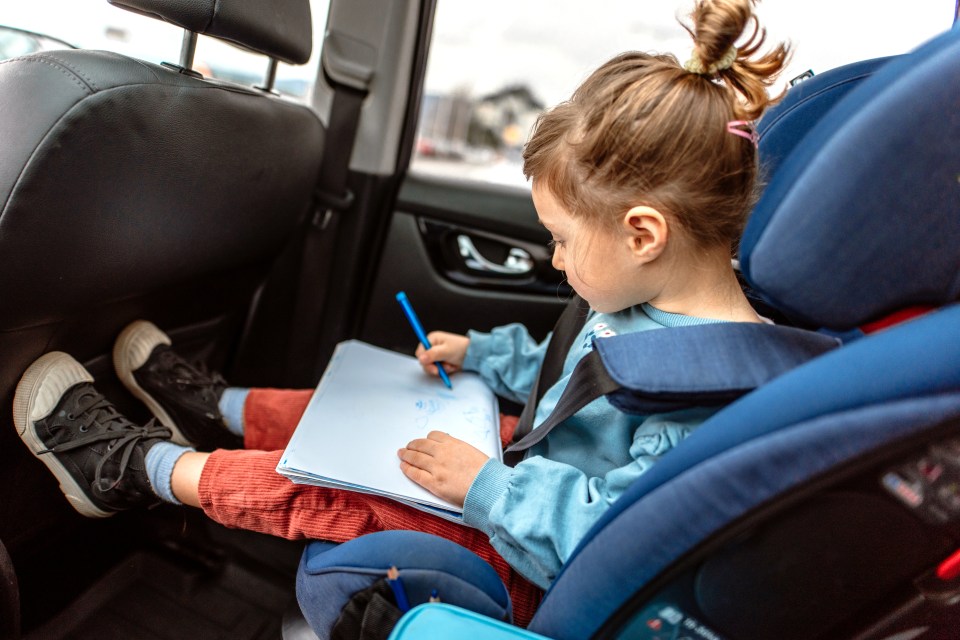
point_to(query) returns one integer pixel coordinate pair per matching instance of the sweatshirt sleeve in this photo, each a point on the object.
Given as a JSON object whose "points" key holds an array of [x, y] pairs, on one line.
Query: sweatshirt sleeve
{"points": [[507, 359], [538, 512]]}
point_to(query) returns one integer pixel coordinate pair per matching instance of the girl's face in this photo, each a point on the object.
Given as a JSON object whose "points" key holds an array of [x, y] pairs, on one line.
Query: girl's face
{"points": [[598, 262]]}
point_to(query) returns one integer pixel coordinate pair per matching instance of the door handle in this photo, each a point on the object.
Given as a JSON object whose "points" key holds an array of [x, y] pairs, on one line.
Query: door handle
{"points": [[518, 262]]}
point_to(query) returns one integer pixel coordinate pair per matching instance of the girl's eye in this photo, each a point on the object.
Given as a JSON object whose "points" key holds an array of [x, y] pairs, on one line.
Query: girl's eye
{"points": [[557, 243]]}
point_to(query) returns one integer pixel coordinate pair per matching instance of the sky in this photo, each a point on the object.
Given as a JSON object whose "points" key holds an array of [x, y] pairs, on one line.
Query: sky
{"points": [[554, 44], [551, 45]]}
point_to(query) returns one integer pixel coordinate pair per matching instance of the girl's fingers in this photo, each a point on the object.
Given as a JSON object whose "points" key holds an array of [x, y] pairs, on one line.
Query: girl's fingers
{"points": [[437, 352], [430, 444], [416, 474], [415, 458], [420, 444], [419, 452]]}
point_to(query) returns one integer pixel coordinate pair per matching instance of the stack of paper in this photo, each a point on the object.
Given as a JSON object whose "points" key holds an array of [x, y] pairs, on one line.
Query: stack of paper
{"points": [[372, 402]]}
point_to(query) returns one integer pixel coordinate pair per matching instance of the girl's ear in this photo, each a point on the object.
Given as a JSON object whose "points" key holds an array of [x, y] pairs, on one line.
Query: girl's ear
{"points": [[647, 232]]}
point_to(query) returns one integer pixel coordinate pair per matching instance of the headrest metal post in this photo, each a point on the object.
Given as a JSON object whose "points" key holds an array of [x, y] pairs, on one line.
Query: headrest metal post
{"points": [[271, 77], [188, 49]]}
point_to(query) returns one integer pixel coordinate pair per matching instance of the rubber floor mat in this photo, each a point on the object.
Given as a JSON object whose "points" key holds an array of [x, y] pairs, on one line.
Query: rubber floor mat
{"points": [[153, 596]]}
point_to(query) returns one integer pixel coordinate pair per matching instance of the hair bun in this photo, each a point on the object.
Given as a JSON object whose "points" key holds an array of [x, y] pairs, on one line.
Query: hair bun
{"points": [[717, 26]]}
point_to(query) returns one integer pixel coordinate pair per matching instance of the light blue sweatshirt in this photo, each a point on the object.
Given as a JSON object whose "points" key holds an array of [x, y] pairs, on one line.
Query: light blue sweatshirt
{"points": [[537, 512]]}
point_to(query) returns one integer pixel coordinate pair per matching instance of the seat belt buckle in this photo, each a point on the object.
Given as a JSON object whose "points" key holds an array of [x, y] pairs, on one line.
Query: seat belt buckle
{"points": [[326, 200], [327, 205]]}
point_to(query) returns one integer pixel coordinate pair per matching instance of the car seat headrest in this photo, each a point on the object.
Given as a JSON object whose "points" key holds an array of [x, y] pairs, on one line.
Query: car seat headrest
{"points": [[281, 29], [785, 125], [863, 218]]}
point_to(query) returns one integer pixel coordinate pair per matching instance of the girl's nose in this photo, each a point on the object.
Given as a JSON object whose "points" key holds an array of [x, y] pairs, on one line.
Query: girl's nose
{"points": [[557, 261]]}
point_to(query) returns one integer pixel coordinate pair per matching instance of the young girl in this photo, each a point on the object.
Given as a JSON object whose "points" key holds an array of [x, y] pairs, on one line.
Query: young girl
{"points": [[643, 178]]}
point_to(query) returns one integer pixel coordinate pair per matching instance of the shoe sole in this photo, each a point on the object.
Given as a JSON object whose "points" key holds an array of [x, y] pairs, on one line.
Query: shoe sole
{"points": [[130, 352], [38, 392]]}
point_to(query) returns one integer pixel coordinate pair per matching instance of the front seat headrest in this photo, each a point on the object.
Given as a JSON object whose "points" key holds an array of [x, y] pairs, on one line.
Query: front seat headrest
{"points": [[280, 29]]}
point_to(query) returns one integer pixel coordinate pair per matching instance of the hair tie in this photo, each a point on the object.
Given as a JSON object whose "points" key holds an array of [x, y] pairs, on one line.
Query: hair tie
{"points": [[749, 133], [695, 64]]}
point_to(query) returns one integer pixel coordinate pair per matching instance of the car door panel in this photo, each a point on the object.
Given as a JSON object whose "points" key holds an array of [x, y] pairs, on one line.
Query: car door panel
{"points": [[507, 279]]}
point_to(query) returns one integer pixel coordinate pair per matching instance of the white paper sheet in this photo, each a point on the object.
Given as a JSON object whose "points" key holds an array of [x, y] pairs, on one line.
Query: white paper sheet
{"points": [[370, 403]]}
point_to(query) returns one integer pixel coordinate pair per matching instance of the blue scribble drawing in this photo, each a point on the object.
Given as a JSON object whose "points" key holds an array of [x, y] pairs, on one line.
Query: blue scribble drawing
{"points": [[474, 422], [479, 418], [427, 408]]}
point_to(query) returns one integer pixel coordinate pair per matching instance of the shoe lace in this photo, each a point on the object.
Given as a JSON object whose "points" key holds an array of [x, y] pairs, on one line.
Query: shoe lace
{"points": [[109, 425], [191, 374]]}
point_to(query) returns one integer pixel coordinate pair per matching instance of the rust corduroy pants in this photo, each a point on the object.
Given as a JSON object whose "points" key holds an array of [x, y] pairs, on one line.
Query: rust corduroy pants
{"points": [[241, 489]]}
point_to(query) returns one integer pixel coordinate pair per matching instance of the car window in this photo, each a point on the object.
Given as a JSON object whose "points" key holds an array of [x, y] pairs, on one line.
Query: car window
{"points": [[18, 42], [495, 65], [99, 25]]}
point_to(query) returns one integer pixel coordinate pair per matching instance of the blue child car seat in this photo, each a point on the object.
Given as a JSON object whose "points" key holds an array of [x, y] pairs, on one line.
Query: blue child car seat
{"points": [[709, 365], [783, 126], [339, 582], [825, 504]]}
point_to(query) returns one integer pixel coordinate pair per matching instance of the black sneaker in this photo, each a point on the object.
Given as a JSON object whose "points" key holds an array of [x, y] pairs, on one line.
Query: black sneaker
{"points": [[182, 396], [96, 454]]}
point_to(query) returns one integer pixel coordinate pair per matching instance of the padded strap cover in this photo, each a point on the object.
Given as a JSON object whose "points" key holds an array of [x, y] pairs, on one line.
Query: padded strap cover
{"points": [[280, 29], [702, 365], [660, 371]]}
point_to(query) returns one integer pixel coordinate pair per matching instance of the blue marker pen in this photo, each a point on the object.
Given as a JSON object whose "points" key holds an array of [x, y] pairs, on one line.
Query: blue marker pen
{"points": [[421, 334]]}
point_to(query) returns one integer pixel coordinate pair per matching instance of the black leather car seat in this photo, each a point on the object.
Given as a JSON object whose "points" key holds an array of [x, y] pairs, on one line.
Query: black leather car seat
{"points": [[129, 190]]}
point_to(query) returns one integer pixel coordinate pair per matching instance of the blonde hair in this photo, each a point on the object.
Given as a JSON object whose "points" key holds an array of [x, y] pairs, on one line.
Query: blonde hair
{"points": [[643, 130]]}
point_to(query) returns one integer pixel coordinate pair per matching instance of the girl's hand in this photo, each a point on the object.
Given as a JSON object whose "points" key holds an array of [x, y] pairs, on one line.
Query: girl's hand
{"points": [[449, 348], [442, 464]]}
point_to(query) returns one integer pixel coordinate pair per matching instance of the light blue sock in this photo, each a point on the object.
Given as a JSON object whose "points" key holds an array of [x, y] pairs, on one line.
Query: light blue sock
{"points": [[231, 408], [160, 460]]}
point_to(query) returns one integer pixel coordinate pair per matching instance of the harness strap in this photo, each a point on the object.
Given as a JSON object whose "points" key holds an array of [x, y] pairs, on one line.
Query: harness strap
{"points": [[588, 382], [568, 326], [698, 366]]}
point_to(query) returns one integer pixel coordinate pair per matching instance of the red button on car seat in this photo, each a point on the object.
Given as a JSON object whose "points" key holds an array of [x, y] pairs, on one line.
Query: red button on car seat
{"points": [[950, 568]]}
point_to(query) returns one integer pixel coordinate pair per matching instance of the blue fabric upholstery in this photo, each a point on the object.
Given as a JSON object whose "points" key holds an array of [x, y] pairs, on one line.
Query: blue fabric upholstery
{"points": [[848, 208], [786, 124], [881, 388], [330, 574]]}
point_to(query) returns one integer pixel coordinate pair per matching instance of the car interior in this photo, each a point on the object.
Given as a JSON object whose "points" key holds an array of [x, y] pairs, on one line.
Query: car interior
{"points": [[259, 232], [821, 504]]}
